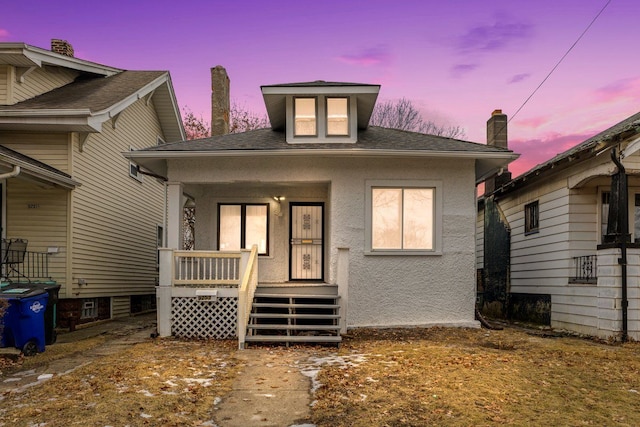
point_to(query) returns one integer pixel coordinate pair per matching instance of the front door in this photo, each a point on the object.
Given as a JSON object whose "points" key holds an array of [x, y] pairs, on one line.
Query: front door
{"points": [[306, 250]]}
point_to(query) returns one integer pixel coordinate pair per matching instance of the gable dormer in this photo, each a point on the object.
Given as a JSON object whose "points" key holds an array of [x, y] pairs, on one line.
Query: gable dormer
{"points": [[320, 112]]}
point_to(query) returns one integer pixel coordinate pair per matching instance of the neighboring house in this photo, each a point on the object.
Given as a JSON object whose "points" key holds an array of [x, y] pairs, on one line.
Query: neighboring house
{"points": [[90, 218], [378, 221], [544, 251]]}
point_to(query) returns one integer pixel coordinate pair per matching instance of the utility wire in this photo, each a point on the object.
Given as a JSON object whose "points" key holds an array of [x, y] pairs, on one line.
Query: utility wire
{"points": [[559, 62]]}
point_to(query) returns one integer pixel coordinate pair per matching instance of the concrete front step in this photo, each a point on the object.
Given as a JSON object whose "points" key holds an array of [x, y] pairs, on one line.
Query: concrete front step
{"points": [[294, 305], [293, 316], [295, 296], [294, 338]]}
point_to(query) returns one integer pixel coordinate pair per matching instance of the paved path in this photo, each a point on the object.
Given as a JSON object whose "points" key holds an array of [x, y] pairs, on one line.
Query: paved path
{"points": [[269, 391]]}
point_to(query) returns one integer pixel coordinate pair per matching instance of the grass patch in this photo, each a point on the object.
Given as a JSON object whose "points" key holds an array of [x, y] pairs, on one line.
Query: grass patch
{"points": [[163, 382], [461, 377]]}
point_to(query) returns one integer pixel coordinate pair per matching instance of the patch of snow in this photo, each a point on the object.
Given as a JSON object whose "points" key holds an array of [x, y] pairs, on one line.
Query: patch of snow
{"points": [[204, 382], [143, 415], [11, 380], [314, 364], [44, 377], [146, 393], [209, 424], [363, 397], [371, 380], [170, 383], [217, 401], [267, 395], [304, 425], [633, 391]]}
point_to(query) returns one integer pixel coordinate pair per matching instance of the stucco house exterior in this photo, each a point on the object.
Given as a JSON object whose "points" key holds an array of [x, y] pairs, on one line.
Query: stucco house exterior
{"points": [[545, 252], [379, 222], [89, 218]]}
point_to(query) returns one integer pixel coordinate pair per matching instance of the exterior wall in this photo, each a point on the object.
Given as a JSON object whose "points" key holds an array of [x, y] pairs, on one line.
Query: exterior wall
{"points": [[120, 306], [383, 290], [114, 215], [41, 80], [5, 88], [480, 239], [52, 149]]}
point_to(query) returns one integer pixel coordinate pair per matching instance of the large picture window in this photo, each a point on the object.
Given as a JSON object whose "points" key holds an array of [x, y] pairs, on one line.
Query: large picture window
{"points": [[240, 226], [403, 219]]}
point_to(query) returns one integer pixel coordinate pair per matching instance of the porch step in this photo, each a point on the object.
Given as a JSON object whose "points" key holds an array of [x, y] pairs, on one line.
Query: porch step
{"points": [[294, 317], [294, 338]]}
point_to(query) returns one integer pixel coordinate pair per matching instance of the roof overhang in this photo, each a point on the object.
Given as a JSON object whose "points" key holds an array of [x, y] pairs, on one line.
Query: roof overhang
{"points": [[486, 164], [275, 99], [22, 55], [35, 173], [84, 120]]}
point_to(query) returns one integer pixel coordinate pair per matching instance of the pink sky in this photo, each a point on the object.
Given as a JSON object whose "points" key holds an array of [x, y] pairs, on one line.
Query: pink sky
{"points": [[457, 61]]}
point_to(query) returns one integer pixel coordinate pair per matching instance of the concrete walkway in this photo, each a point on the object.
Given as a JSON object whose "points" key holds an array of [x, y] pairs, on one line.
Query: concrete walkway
{"points": [[269, 391]]}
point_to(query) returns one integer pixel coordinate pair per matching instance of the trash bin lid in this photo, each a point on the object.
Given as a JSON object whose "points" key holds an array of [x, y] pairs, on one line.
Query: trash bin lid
{"points": [[20, 293]]}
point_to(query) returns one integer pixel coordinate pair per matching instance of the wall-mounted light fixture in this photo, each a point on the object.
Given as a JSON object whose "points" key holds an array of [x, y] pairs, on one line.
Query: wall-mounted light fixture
{"points": [[278, 210]]}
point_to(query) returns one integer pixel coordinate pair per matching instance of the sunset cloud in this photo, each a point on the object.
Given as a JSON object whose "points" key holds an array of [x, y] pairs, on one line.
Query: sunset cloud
{"points": [[542, 149], [533, 122], [488, 38], [519, 78], [460, 70], [4, 34], [378, 55], [619, 89]]}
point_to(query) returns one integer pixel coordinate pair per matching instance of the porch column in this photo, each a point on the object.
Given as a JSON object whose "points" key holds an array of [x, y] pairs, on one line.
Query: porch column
{"points": [[342, 277], [163, 292], [175, 212], [609, 293]]}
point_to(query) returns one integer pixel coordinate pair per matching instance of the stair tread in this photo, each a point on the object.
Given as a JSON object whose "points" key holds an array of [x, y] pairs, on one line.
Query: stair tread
{"points": [[295, 327], [287, 305], [293, 316], [299, 296], [294, 338]]}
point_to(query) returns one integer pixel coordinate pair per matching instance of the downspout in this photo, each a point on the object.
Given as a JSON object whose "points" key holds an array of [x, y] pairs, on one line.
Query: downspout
{"points": [[622, 241], [15, 172]]}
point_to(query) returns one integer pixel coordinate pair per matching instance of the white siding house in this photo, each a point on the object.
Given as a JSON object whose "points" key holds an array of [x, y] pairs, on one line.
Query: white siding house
{"points": [[559, 265], [67, 190], [393, 213]]}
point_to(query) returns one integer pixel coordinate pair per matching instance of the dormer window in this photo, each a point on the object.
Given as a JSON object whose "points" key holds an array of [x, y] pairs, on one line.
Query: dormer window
{"points": [[337, 116], [305, 112], [320, 112]]}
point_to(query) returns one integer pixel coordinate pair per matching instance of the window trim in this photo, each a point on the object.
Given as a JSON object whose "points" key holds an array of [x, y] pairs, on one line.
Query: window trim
{"points": [[137, 175], [243, 224], [528, 227], [404, 184], [315, 99], [326, 117]]}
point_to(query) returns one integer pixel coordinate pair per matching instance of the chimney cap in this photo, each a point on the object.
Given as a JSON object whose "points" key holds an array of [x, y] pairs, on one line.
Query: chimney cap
{"points": [[496, 112]]}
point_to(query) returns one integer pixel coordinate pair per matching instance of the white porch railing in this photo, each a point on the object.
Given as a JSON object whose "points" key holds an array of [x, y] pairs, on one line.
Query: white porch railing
{"points": [[206, 269], [246, 292]]}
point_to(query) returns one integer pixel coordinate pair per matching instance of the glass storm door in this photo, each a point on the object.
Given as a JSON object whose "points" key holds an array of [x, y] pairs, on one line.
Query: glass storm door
{"points": [[306, 245]]}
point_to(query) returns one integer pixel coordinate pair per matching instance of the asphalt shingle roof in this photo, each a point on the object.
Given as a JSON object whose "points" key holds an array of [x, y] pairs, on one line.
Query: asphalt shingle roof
{"points": [[95, 94], [373, 138]]}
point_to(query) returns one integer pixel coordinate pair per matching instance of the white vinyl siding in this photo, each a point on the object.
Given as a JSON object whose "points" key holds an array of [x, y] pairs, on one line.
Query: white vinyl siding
{"points": [[42, 80], [40, 216], [115, 217], [52, 149], [4, 85]]}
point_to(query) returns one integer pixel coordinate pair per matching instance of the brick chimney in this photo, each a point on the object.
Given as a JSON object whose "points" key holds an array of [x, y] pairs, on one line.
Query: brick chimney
{"points": [[62, 47], [497, 137], [220, 103]]}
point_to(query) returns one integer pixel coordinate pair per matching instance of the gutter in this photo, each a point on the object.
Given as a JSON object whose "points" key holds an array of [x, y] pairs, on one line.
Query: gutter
{"points": [[622, 241], [15, 172]]}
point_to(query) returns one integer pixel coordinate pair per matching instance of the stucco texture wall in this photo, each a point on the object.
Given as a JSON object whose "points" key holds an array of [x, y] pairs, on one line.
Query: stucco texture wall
{"points": [[384, 290]]}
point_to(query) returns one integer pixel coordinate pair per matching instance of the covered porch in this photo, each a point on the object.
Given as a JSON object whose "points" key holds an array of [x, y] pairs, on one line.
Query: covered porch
{"points": [[259, 267]]}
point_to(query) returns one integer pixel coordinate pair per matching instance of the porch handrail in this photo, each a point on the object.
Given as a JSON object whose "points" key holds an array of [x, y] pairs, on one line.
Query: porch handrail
{"points": [[245, 294], [206, 268]]}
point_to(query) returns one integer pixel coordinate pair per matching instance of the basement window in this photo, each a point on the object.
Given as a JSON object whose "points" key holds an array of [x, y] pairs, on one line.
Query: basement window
{"points": [[531, 218], [89, 308]]}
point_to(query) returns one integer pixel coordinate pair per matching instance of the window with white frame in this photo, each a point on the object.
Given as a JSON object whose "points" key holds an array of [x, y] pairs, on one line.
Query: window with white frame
{"points": [[89, 308], [403, 218], [134, 170], [305, 117], [337, 116], [240, 226]]}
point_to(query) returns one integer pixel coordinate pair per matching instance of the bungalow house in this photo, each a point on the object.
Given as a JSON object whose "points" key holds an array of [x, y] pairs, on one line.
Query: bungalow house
{"points": [[89, 218], [552, 243], [353, 224]]}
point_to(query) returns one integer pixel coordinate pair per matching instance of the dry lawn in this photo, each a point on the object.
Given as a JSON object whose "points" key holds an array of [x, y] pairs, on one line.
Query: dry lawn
{"points": [[455, 377], [159, 383]]}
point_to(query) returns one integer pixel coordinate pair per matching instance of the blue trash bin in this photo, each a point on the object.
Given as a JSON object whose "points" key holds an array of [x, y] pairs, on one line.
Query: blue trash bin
{"points": [[24, 319]]}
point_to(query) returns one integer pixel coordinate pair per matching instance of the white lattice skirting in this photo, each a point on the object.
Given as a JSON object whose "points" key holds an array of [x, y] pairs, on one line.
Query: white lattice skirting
{"points": [[194, 318]]}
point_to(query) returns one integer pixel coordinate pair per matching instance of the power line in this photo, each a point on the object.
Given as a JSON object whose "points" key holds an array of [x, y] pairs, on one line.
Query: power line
{"points": [[560, 61]]}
